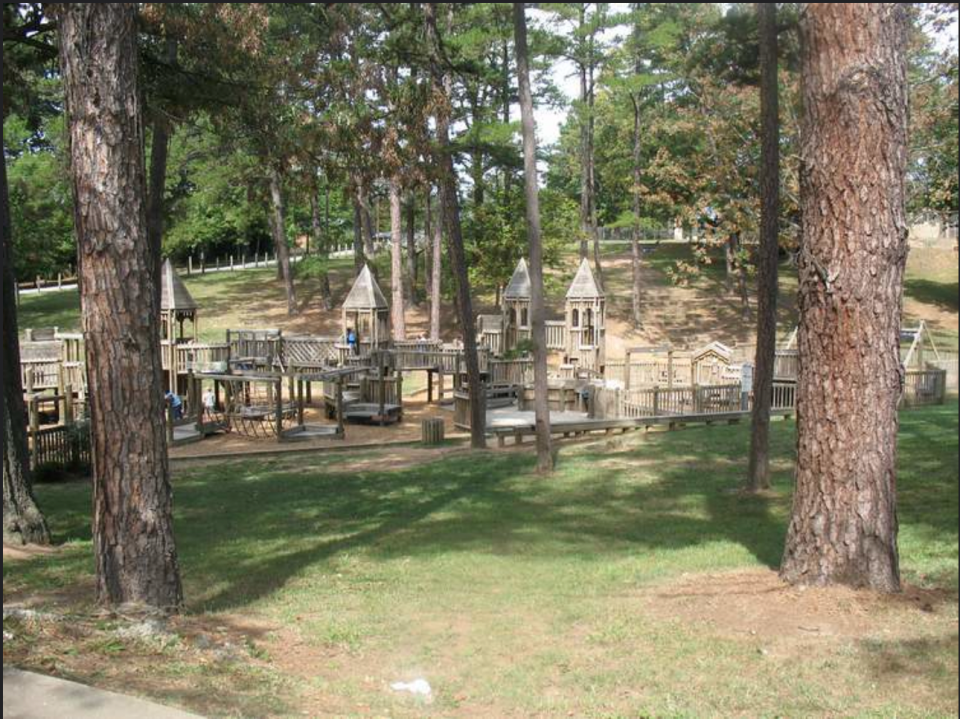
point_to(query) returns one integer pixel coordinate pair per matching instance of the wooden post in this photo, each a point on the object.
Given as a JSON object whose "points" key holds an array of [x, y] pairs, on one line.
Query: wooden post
{"points": [[656, 400], [33, 413], [429, 386], [432, 431], [59, 280], [299, 402], [626, 371], [33, 405], [203, 263], [279, 398], [670, 368], [31, 380], [340, 429], [383, 390], [68, 405], [189, 265]]}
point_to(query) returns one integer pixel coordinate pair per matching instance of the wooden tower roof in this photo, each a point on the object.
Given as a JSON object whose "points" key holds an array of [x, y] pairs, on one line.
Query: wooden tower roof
{"points": [[584, 286], [519, 287], [365, 294], [174, 295]]}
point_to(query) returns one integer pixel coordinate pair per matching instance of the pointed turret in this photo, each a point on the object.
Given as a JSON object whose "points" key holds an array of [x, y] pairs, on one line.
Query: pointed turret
{"points": [[584, 285]]}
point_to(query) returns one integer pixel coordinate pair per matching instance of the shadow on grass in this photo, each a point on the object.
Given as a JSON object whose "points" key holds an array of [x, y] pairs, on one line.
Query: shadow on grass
{"points": [[943, 295], [926, 659], [246, 529]]}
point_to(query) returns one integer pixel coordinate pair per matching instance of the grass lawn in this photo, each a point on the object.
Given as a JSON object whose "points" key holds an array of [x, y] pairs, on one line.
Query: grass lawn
{"points": [[633, 583]]}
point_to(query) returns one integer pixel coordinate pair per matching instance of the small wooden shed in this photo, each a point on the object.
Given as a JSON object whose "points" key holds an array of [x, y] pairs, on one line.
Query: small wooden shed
{"points": [[586, 320], [516, 308], [366, 312]]}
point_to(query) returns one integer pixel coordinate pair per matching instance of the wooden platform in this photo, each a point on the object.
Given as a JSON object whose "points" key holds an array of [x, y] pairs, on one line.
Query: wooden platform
{"points": [[371, 413], [308, 432], [582, 427]]}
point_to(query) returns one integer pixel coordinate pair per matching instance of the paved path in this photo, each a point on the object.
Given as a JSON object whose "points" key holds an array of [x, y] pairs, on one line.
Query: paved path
{"points": [[33, 696]]}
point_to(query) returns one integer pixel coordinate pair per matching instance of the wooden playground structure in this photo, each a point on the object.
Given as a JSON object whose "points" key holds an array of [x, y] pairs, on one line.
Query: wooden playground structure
{"points": [[262, 383]]}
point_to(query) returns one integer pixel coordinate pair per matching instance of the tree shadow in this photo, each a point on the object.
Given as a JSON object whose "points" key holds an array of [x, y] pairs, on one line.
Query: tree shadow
{"points": [[245, 529], [943, 295]]}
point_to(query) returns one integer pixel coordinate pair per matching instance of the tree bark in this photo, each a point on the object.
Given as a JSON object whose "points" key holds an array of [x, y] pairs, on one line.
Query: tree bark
{"points": [[635, 243], [591, 157], [136, 556], [584, 145], [411, 275], [854, 154], [450, 204], [396, 263], [279, 225], [758, 473], [435, 233], [159, 152], [359, 258], [23, 522], [320, 246], [537, 305]]}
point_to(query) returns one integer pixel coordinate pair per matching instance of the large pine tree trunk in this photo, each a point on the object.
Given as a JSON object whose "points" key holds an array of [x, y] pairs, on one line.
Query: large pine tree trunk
{"points": [[450, 212], [136, 557], [23, 523], [758, 476], [279, 225], [537, 306], [434, 232], [854, 155], [396, 263]]}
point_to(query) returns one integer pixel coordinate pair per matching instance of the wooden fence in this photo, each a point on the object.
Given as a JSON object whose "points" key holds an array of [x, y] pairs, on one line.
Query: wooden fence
{"points": [[60, 447], [925, 387]]}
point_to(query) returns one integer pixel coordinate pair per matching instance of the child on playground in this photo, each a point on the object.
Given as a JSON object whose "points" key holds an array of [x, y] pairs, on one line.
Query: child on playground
{"points": [[209, 402], [176, 403], [352, 341]]}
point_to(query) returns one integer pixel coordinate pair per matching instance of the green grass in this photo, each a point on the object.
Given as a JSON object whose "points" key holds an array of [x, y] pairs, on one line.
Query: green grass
{"points": [[516, 595], [228, 300]]}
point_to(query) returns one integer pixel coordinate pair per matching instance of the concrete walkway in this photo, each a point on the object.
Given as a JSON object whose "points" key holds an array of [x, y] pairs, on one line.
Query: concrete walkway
{"points": [[33, 696]]}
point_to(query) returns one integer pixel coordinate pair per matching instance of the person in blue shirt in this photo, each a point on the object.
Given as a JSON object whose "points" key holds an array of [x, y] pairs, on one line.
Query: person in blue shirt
{"points": [[352, 340], [176, 403]]}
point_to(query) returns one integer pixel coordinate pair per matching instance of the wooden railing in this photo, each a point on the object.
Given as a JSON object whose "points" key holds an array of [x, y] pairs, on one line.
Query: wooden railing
{"points": [[377, 390], [786, 364], [38, 375], [61, 447], [308, 351], [784, 396], [658, 402], [517, 372], [197, 357], [556, 336], [492, 340]]}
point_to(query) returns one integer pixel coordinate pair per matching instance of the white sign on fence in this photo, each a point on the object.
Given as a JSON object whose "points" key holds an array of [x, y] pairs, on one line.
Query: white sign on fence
{"points": [[746, 378]]}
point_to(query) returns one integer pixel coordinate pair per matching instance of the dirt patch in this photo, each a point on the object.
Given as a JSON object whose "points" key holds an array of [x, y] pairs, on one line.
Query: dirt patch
{"points": [[356, 436], [758, 604], [29, 551]]}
